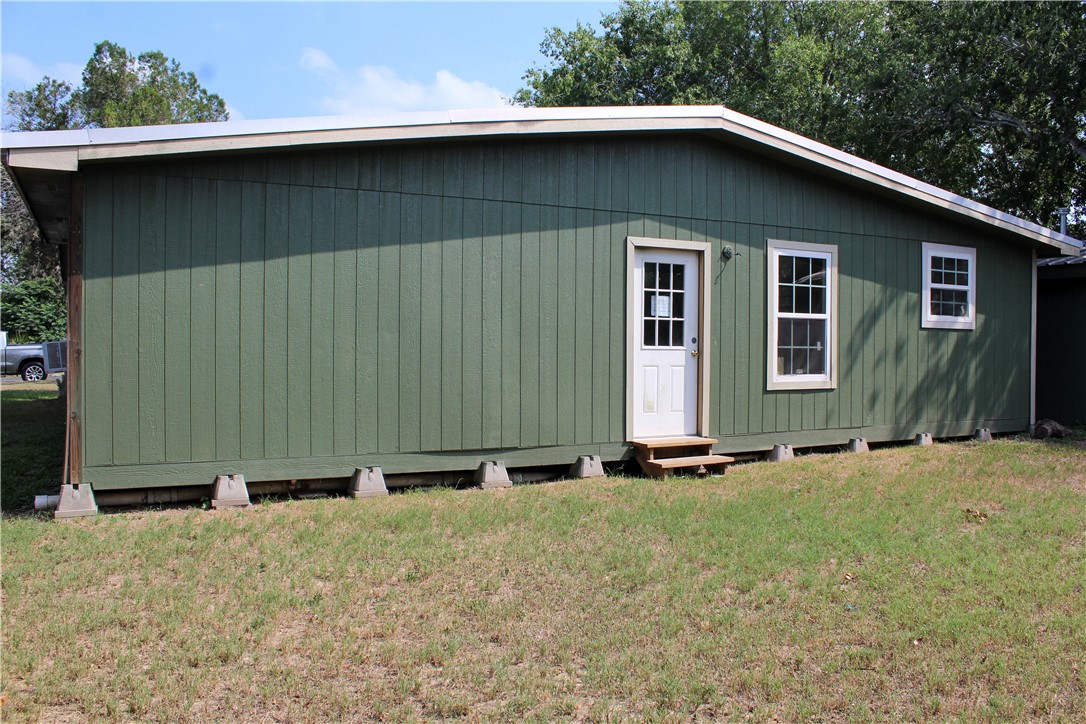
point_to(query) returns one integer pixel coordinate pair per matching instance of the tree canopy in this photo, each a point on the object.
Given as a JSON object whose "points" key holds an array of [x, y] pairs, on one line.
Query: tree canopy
{"points": [[985, 99], [22, 254], [33, 311], [118, 89]]}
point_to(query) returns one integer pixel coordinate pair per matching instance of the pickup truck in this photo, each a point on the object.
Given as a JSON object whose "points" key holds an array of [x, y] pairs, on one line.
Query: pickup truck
{"points": [[25, 360]]}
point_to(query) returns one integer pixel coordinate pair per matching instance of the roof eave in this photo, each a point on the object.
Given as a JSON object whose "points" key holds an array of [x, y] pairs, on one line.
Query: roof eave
{"points": [[68, 150]]}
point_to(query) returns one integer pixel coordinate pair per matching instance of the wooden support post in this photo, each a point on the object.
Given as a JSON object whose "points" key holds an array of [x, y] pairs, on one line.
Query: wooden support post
{"points": [[73, 378]]}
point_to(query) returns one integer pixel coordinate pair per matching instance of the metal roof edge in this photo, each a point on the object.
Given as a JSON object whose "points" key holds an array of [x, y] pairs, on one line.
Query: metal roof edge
{"points": [[55, 147], [227, 129]]}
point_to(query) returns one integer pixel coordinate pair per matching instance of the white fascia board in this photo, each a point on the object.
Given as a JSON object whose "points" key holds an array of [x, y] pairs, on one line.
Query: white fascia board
{"points": [[118, 143], [60, 158]]}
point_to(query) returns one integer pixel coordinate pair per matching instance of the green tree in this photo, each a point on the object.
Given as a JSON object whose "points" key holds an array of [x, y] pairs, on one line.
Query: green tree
{"points": [[23, 255], [1004, 89], [48, 106], [986, 99], [118, 89], [33, 310]]}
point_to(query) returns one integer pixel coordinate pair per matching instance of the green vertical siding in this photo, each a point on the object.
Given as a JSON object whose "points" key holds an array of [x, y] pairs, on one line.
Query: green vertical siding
{"points": [[451, 356], [124, 369], [299, 326], [98, 326], [274, 358], [151, 325], [251, 320], [344, 312], [178, 297], [372, 304], [322, 309], [227, 339]]}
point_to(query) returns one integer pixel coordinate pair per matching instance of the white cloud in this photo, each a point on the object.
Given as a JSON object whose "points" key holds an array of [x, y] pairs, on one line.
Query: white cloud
{"points": [[21, 72], [235, 112], [316, 61], [380, 89]]}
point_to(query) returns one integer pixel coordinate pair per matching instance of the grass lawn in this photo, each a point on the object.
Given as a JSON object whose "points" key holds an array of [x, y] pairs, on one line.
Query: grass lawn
{"points": [[31, 442], [907, 583]]}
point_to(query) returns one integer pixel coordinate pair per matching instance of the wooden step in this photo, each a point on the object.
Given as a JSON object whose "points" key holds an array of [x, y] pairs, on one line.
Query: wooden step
{"points": [[649, 443], [655, 448], [660, 468]]}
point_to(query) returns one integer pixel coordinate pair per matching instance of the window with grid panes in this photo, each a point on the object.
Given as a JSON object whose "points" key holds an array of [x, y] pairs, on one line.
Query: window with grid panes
{"points": [[801, 334], [665, 292], [949, 284]]}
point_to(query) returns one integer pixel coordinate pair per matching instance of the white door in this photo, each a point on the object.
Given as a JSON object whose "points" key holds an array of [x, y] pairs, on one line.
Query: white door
{"points": [[665, 344]]}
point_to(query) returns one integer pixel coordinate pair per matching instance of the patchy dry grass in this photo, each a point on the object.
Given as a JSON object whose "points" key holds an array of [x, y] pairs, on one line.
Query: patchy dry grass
{"points": [[908, 583]]}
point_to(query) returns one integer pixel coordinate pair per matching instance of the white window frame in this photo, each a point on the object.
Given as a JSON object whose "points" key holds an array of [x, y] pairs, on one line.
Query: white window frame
{"points": [[775, 248], [942, 321]]}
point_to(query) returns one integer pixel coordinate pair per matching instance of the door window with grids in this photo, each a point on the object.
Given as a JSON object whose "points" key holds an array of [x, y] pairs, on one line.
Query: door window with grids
{"points": [[802, 333], [949, 287], [663, 318]]}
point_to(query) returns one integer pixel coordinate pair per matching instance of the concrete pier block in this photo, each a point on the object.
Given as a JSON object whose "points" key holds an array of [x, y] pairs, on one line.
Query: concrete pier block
{"points": [[922, 439], [76, 501], [587, 466], [858, 444], [780, 453], [492, 474], [230, 492], [368, 483], [982, 434]]}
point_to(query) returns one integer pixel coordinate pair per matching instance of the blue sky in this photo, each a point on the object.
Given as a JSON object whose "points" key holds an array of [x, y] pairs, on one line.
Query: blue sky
{"points": [[277, 60]]}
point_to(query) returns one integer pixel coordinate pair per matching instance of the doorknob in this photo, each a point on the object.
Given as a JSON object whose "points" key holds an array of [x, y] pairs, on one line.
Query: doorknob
{"points": [[693, 353]]}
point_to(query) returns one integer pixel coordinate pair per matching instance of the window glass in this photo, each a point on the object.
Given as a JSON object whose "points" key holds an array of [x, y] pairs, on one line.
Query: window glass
{"points": [[650, 275], [677, 333], [650, 333], [786, 296]]}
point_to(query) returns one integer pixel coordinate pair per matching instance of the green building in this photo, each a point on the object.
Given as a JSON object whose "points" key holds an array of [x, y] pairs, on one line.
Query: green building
{"points": [[296, 300]]}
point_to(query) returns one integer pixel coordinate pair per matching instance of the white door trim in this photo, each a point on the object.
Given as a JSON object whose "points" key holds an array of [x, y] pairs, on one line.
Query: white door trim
{"points": [[703, 250]]}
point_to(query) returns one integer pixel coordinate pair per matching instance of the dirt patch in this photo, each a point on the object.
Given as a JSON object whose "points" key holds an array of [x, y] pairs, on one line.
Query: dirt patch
{"points": [[61, 715]]}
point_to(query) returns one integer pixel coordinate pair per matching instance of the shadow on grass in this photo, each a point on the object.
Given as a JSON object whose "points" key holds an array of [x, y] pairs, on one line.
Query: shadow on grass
{"points": [[31, 447]]}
